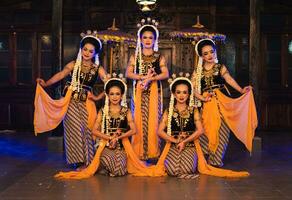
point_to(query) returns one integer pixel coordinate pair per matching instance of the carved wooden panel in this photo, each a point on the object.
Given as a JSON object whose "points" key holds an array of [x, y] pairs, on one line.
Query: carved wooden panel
{"points": [[276, 110], [5, 118]]}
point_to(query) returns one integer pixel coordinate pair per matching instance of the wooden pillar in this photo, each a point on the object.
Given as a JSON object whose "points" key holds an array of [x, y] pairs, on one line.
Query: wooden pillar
{"points": [[35, 55], [254, 61], [284, 61], [57, 62], [254, 47], [12, 70], [57, 41], [213, 15]]}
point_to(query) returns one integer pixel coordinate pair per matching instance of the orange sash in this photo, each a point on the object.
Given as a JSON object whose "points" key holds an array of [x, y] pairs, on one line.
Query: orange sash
{"points": [[137, 140], [239, 114], [49, 113], [138, 168]]}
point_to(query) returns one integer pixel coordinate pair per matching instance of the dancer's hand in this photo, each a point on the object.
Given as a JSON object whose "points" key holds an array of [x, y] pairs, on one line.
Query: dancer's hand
{"points": [[181, 146], [92, 97], [150, 73], [174, 140], [41, 82], [182, 136], [113, 143], [118, 132], [208, 97], [245, 89], [144, 84]]}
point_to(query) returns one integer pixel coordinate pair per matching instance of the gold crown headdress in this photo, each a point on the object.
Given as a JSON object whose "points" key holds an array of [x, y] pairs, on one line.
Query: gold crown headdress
{"points": [[91, 34], [105, 116], [150, 23], [171, 81], [75, 82], [197, 75]]}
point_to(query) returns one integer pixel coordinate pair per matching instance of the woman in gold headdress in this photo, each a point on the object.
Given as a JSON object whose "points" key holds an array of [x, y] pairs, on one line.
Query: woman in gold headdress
{"points": [[221, 113], [114, 122], [147, 68], [77, 110]]}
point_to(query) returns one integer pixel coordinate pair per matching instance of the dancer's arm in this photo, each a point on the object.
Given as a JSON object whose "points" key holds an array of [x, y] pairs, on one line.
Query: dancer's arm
{"points": [[130, 73], [58, 76], [97, 128], [229, 79], [164, 71], [102, 74], [162, 126], [96, 97]]}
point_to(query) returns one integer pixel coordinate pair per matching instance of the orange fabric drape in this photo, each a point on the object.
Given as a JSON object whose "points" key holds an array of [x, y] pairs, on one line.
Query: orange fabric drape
{"points": [[134, 165], [88, 171], [49, 113], [206, 169], [138, 168], [92, 114], [137, 140], [239, 114]]}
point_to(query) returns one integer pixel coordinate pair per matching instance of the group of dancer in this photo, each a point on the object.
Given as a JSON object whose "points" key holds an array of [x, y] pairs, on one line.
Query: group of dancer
{"points": [[195, 126]]}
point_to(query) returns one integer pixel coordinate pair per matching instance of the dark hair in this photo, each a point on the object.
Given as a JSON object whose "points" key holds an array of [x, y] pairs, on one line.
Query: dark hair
{"points": [[114, 83], [148, 28], [205, 43], [179, 82], [92, 41]]}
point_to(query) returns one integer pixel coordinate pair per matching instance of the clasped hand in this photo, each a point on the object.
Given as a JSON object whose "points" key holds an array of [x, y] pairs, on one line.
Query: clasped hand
{"points": [[145, 80], [114, 139], [180, 144], [41, 82]]}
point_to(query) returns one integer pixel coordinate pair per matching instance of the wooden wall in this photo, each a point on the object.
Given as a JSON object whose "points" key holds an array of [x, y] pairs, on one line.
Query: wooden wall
{"points": [[25, 47]]}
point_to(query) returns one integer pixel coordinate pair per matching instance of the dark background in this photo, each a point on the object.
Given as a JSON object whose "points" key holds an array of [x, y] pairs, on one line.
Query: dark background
{"points": [[26, 47]]}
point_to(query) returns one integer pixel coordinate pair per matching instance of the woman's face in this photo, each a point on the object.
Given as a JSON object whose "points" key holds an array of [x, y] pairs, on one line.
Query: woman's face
{"points": [[88, 52], [181, 93], [115, 95], [208, 54], [147, 40]]}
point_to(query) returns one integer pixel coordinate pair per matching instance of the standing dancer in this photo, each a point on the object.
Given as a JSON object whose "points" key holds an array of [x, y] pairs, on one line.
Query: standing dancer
{"points": [[76, 108], [147, 68], [221, 113]]}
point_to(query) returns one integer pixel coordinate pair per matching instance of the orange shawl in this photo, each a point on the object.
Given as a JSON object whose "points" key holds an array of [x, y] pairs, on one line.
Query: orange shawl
{"points": [[137, 140], [49, 113], [239, 114], [138, 168]]}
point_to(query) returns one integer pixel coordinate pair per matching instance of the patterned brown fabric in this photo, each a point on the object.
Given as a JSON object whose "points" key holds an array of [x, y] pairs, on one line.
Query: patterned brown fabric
{"points": [[79, 145], [216, 159]]}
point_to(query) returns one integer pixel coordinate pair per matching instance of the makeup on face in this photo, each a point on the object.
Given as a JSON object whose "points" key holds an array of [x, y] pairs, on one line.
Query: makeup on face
{"points": [[208, 53], [115, 95], [181, 93], [147, 39], [88, 51]]}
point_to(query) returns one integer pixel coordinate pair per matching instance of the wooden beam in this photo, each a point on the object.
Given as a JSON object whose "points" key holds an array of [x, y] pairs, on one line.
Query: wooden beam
{"points": [[57, 41]]}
